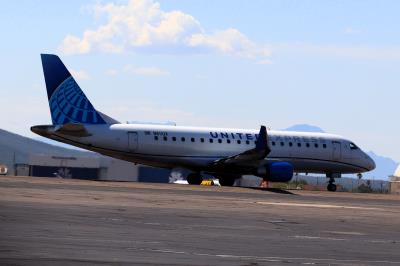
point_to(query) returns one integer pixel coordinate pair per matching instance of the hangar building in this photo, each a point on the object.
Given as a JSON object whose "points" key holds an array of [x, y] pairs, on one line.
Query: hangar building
{"points": [[30, 157], [91, 168], [395, 182]]}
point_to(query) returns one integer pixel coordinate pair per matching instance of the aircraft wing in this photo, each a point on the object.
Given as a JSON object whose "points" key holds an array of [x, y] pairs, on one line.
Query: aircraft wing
{"points": [[261, 150]]}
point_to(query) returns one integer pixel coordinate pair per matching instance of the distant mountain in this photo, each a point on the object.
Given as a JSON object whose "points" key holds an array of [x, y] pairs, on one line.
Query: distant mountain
{"points": [[15, 148], [12, 141], [57, 143], [304, 128], [384, 166]]}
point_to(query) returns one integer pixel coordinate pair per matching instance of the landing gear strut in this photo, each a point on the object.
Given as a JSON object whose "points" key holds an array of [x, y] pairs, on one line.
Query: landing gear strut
{"points": [[194, 179]]}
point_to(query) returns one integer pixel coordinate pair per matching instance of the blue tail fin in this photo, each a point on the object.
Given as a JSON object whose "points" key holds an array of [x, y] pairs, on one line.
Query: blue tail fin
{"points": [[68, 103]]}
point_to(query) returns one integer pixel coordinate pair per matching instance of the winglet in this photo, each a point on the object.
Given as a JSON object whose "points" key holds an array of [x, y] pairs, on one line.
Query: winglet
{"points": [[258, 153], [262, 140]]}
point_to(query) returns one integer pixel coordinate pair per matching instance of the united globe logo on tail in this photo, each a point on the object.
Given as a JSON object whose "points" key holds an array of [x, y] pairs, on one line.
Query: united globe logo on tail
{"points": [[68, 104]]}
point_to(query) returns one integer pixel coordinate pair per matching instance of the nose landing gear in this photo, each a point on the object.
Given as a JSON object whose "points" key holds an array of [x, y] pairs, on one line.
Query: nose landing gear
{"points": [[331, 185]]}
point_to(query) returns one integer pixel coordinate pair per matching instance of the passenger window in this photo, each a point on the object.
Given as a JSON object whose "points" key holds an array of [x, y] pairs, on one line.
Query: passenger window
{"points": [[324, 146], [239, 142], [290, 144], [316, 145], [173, 138], [228, 141], [201, 139], [247, 142], [211, 140], [308, 145], [155, 137], [183, 139], [165, 138], [282, 144], [273, 143], [192, 139], [299, 144], [219, 140]]}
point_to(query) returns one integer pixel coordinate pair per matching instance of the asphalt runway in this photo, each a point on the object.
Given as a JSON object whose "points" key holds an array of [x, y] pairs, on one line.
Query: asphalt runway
{"points": [[74, 222]]}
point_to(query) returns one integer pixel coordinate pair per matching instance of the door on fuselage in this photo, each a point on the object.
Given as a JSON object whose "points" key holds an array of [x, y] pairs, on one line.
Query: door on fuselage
{"points": [[132, 141], [336, 150]]}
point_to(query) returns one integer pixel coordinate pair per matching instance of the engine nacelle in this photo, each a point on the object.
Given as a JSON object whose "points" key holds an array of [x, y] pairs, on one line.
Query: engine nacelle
{"points": [[276, 172]]}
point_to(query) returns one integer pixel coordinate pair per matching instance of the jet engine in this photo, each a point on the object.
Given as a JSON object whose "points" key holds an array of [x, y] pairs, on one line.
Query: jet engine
{"points": [[276, 172]]}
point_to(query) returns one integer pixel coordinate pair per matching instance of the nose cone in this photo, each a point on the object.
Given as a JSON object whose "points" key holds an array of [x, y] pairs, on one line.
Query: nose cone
{"points": [[370, 163]]}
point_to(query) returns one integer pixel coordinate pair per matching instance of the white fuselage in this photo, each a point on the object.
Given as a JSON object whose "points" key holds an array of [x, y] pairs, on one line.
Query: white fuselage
{"points": [[196, 148]]}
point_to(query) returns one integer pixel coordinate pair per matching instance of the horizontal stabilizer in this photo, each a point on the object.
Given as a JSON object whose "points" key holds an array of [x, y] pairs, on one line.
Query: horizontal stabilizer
{"points": [[74, 130]]}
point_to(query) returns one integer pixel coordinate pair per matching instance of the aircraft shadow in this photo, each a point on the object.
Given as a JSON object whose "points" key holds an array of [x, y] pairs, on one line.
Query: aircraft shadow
{"points": [[274, 190]]}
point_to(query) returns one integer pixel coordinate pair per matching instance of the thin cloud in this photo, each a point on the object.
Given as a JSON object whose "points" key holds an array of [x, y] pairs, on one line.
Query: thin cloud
{"points": [[80, 74], [111, 72], [201, 76], [264, 62], [146, 71], [362, 52], [351, 31]]}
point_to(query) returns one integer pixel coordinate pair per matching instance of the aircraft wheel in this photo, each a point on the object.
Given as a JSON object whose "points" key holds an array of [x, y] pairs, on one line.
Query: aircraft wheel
{"points": [[194, 179], [226, 181], [331, 187]]}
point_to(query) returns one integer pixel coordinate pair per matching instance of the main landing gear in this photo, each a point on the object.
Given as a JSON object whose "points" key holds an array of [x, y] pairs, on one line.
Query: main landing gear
{"points": [[194, 179], [226, 181]]}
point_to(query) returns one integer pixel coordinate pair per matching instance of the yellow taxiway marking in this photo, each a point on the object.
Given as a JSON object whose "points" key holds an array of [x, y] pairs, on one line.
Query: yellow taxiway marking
{"points": [[313, 205]]}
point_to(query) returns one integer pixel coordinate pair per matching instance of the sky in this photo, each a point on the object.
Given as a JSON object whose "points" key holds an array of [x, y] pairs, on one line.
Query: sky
{"points": [[333, 64]]}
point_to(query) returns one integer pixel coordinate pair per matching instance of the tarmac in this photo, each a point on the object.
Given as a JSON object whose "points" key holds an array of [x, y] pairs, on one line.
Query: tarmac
{"points": [[48, 221]]}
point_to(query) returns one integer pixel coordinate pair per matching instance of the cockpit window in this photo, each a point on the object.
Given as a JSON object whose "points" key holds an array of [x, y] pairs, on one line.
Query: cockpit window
{"points": [[353, 146]]}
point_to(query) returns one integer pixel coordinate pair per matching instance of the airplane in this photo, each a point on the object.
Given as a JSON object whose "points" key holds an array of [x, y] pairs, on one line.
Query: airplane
{"points": [[225, 153]]}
